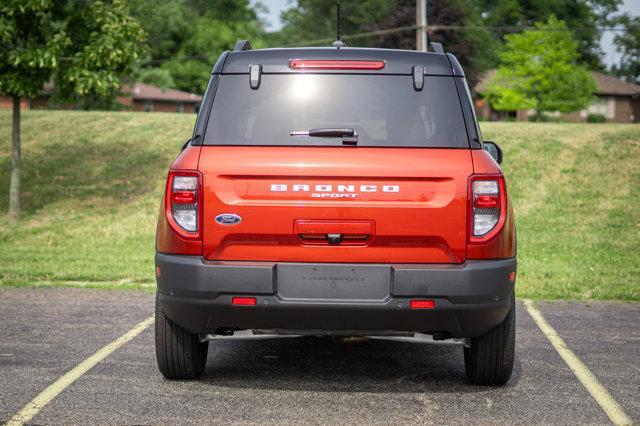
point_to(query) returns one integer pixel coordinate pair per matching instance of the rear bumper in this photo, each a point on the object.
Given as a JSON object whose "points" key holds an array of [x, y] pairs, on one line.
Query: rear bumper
{"points": [[471, 298]]}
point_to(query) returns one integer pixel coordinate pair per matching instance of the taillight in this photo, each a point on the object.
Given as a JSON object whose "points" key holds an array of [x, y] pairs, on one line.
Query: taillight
{"points": [[183, 197], [487, 207], [183, 202], [336, 64]]}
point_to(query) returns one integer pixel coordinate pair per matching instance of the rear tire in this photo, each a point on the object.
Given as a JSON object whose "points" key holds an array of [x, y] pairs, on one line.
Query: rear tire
{"points": [[489, 360], [180, 354]]}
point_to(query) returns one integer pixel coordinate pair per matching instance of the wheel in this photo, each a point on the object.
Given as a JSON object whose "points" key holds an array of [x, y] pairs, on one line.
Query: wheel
{"points": [[180, 354], [489, 360]]}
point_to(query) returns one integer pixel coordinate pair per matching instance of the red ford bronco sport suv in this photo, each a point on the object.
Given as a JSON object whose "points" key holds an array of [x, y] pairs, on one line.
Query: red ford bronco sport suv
{"points": [[337, 191]]}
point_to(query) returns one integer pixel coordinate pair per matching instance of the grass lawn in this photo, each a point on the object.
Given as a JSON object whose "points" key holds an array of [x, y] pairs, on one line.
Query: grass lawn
{"points": [[92, 183]]}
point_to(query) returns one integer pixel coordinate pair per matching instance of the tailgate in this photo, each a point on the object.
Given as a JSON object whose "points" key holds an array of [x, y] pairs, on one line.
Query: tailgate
{"points": [[335, 204]]}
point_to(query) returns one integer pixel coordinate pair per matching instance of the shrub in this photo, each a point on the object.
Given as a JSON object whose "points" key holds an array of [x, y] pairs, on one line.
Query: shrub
{"points": [[545, 118], [596, 118]]}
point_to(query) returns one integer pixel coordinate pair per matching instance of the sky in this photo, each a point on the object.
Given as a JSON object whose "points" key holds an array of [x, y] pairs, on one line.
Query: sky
{"points": [[275, 7], [610, 55]]}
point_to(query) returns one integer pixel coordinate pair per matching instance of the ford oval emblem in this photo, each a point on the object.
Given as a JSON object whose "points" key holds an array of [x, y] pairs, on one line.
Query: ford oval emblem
{"points": [[228, 219]]}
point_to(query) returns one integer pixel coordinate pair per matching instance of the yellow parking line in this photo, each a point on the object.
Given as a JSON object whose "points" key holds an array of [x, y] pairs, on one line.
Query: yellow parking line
{"points": [[609, 405], [54, 389]]}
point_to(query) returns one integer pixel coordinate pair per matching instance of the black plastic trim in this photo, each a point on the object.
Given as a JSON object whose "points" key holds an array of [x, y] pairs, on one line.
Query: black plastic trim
{"points": [[468, 114], [437, 47], [242, 45], [418, 78], [217, 68], [255, 76], [456, 68], [277, 60], [471, 298]]}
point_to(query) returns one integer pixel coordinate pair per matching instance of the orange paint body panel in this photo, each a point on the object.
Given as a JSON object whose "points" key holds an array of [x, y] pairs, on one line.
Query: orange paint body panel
{"points": [[414, 199]]}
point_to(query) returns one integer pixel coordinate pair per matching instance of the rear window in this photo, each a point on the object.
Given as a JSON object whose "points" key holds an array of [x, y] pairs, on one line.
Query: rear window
{"points": [[384, 110]]}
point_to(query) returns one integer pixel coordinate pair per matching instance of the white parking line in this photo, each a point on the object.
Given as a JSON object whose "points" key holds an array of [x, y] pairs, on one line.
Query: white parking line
{"points": [[609, 405], [39, 402]]}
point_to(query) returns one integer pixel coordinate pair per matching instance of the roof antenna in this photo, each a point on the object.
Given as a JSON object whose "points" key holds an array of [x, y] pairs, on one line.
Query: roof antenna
{"points": [[338, 43]]}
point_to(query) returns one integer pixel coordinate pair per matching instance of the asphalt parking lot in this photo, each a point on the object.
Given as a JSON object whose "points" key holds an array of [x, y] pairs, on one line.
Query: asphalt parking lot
{"points": [[47, 332]]}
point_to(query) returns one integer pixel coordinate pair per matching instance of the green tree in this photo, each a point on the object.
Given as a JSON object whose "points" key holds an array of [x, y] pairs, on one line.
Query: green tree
{"points": [[187, 36], [312, 22], [83, 46], [155, 76], [167, 23], [538, 70], [474, 47], [583, 14], [628, 44]]}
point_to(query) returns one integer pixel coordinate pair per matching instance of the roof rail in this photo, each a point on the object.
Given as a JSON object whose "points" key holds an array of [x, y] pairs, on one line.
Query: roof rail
{"points": [[437, 47], [242, 45]]}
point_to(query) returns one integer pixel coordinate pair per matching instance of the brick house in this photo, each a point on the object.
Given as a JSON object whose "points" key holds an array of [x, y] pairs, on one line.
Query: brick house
{"points": [[618, 101], [139, 97], [148, 98], [6, 102]]}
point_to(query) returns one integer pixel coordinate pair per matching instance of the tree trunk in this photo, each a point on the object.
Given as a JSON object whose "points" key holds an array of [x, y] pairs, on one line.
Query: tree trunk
{"points": [[14, 186]]}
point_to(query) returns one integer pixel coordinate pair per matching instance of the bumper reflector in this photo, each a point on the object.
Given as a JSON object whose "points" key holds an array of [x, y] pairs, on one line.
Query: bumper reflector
{"points": [[243, 301], [422, 304]]}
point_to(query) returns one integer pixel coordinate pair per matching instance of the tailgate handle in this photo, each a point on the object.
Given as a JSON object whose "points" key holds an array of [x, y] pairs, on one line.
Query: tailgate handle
{"points": [[334, 239], [334, 232]]}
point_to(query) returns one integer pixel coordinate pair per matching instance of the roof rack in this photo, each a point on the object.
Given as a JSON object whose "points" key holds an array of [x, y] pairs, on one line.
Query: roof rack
{"points": [[242, 45], [437, 47]]}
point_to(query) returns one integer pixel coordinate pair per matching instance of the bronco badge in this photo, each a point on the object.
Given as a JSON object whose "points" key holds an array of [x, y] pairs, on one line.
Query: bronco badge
{"points": [[228, 219]]}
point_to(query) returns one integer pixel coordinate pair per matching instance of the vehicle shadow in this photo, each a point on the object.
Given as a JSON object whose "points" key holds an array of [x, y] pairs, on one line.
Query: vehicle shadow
{"points": [[320, 364]]}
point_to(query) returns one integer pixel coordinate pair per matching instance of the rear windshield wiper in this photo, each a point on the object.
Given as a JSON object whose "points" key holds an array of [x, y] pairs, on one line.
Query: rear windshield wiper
{"points": [[349, 136]]}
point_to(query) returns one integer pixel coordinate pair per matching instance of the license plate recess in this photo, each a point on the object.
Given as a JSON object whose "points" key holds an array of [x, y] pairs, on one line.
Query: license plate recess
{"points": [[334, 282]]}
